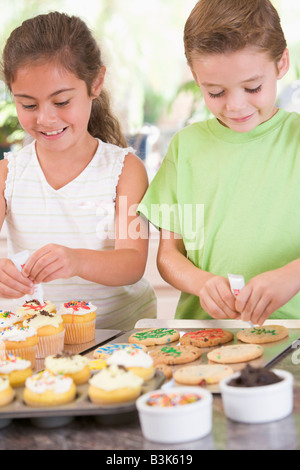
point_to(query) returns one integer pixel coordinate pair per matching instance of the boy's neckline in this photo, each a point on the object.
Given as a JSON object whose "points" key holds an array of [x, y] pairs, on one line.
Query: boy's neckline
{"points": [[227, 134]]}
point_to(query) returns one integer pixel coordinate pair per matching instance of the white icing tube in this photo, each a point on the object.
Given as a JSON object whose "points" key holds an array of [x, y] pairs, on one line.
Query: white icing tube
{"points": [[19, 259], [237, 282]]}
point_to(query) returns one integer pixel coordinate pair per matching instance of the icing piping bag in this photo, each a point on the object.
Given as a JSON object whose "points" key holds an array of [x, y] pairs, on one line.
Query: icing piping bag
{"points": [[237, 283], [19, 259]]}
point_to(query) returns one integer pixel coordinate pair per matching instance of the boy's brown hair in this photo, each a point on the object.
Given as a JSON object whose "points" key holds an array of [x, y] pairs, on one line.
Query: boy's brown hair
{"points": [[224, 26]]}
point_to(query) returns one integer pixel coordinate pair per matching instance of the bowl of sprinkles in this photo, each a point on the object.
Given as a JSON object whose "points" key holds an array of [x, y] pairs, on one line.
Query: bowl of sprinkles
{"points": [[179, 414]]}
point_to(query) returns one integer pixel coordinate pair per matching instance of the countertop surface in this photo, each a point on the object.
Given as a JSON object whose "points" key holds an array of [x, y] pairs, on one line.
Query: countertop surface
{"points": [[87, 433]]}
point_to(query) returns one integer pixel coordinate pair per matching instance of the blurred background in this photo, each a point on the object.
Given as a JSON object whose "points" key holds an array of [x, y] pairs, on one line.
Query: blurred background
{"points": [[151, 87]]}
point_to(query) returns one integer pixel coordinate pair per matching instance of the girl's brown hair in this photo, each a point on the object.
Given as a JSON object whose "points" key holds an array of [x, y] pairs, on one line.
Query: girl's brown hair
{"points": [[68, 41], [222, 26]]}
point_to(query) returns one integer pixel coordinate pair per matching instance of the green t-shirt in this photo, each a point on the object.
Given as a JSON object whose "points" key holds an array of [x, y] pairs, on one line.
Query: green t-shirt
{"points": [[234, 198]]}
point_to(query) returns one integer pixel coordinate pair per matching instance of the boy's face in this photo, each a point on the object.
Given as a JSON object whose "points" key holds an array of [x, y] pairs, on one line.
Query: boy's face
{"points": [[240, 88]]}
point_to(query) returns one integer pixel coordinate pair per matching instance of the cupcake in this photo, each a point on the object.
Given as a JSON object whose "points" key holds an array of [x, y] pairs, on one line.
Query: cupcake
{"points": [[50, 330], [114, 385], [21, 341], [136, 360], [6, 391], [30, 307], [8, 318], [47, 389], [16, 369], [79, 318], [72, 365]]}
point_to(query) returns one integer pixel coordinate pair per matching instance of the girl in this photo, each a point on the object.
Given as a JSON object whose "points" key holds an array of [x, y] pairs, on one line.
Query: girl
{"points": [[231, 183], [68, 196]]}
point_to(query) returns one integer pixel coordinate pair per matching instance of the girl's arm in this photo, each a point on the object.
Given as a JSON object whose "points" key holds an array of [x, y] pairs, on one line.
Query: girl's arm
{"points": [[13, 284], [121, 266], [175, 268]]}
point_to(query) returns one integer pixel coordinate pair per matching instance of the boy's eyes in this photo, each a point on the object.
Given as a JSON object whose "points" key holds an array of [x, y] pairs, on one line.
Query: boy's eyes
{"points": [[247, 90]]}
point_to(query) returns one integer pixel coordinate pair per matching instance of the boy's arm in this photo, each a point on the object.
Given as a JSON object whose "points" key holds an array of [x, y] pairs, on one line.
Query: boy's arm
{"points": [[176, 269], [12, 283], [122, 266]]}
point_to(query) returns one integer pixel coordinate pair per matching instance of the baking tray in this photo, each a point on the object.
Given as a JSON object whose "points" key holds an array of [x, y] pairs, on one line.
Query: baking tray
{"points": [[272, 351], [82, 406]]}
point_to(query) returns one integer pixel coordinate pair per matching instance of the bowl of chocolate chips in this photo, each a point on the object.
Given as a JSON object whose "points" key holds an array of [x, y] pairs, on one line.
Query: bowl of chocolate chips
{"points": [[257, 395]]}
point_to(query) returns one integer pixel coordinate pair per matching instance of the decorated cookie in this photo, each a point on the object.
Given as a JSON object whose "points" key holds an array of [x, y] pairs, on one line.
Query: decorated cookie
{"points": [[202, 374], [103, 352], [206, 337], [154, 336], [263, 334], [169, 354], [235, 353]]}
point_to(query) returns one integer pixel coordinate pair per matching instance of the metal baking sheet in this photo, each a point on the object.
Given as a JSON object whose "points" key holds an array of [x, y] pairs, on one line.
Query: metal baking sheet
{"points": [[272, 351], [81, 406]]}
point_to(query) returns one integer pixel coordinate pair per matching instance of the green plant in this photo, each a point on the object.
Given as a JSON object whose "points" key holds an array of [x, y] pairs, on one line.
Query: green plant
{"points": [[10, 128]]}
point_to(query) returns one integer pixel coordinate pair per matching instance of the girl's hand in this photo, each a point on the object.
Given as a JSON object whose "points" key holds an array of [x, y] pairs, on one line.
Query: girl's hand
{"points": [[51, 262], [13, 284], [217, 299], [267, 292]]}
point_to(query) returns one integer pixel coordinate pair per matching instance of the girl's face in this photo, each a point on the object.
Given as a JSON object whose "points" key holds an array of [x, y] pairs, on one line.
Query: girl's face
{"points": [[240, 88], [53, 105]]}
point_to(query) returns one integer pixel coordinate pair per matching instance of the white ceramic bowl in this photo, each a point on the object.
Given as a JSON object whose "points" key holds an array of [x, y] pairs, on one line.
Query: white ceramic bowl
{"points": [[260, 404], [182, 423]]}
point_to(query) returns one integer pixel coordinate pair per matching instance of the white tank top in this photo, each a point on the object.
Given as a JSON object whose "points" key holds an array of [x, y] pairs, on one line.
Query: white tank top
{"points": [[81, 214]]}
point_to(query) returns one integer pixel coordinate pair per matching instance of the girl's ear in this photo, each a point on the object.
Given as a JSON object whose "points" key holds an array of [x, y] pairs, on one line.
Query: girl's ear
{"points": [[98, 83], [283, 64]]}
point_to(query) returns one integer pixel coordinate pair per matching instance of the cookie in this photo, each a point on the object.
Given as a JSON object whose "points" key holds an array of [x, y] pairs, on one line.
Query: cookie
{"points": [[263, 334], [235, 353], [202, 374], [103, 352], [165, 369], [206, 337], [169, 354], [154, 336]]}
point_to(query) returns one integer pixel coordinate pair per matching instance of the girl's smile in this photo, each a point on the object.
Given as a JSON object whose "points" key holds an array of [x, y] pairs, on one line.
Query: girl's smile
{"points": [[240, 88]]}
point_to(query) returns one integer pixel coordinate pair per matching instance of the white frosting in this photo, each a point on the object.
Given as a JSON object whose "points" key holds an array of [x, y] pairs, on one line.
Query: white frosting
{"points": [[79, 308], [39, 320], [8, 318], [31, 307], [113, 378], [130, 357], [45, 380], [65, 365], [11, 362], [4, 383], [17, 333]]}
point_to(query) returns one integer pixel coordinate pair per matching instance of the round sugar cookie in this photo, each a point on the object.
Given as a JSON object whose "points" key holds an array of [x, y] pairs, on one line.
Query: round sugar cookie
{"points": [[206, 337], [202, 374], [263, 334], [235, 353], [103, 352], [165, 369], [169, 354], [155, 336]]}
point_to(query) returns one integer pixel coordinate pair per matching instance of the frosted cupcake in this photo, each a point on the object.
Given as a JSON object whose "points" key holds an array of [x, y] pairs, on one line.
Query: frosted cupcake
{"points": [[79, 318], [135, 360], [6, 391], [50, 330], [47, 389], [72, 365], [21, 341], [114, 385], [16, 369], [31, 307], [8, 318]]}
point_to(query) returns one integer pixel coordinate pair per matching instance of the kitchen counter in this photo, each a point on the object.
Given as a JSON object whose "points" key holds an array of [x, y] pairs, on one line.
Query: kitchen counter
{"points": [[85, 432]]}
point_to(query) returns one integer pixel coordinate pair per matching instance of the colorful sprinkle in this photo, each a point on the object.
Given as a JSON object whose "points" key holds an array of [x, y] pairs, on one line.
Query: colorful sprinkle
{"points": [[172, 399]]}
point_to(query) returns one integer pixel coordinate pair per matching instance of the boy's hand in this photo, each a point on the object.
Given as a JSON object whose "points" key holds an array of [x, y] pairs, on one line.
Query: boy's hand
{"points": [[267, 292], [217, 299], [13, 284], [51, 262]]}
